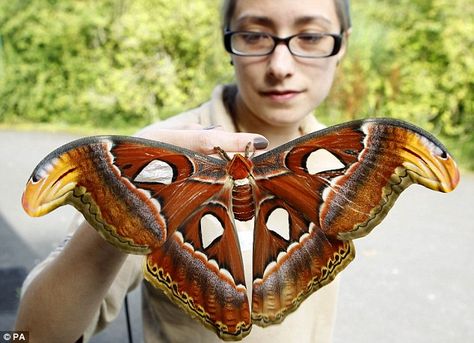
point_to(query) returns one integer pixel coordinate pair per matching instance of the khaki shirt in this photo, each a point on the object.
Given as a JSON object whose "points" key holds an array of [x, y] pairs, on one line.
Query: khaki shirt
{"points": [[163, 321]]}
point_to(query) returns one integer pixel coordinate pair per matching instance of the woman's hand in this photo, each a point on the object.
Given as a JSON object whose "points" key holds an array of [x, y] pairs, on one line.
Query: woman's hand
{"points": [[203, 139]]}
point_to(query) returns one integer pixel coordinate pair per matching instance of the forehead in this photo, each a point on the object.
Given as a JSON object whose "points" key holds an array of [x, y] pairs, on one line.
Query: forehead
{"points": [[281, 14]]}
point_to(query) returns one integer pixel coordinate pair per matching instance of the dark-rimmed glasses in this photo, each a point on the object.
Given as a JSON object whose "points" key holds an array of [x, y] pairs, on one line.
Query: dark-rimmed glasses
{"points": [[308, 45]]}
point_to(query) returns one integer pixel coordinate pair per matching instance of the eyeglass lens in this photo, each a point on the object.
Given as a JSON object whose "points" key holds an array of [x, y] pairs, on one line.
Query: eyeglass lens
{"points": [[305, 44]]}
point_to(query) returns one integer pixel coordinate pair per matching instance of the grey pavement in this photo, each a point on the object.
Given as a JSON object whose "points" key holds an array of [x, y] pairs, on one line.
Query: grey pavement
{"points": [[25, 241], [412, 279]]}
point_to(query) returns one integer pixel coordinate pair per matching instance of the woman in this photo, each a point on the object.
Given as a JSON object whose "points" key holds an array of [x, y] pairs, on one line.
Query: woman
{"points": [[279, 83]]}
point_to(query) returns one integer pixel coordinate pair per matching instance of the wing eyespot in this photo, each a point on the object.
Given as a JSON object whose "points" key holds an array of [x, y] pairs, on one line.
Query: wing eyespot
{"points": [[210, 229], [278, 221], [157, 171], [322, 160]]}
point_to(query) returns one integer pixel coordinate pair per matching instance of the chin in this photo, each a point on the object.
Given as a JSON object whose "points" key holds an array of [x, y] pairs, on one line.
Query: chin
{"points": [[284, 118]]}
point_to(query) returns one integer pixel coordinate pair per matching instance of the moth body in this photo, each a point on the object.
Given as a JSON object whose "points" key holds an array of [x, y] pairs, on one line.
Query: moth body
{"points": [[240, 170]]}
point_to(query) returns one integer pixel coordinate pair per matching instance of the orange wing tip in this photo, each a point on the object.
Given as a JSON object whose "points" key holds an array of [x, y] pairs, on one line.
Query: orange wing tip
{"points": [[39, 198], [50, 185], [429, 163], [434, 173]]}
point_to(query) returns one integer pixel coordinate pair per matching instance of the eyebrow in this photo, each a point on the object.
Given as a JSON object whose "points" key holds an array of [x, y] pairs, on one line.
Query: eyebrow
{"points": [[252, 19], [311, 19], [266, 21]]}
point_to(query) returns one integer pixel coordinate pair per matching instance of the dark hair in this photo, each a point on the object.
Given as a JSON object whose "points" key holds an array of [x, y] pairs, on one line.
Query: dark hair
{"points": [[342, 10]]}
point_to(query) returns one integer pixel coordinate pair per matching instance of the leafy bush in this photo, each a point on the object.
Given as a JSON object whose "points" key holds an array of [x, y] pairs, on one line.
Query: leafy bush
{"points": [[108, 63], [411, 60]]}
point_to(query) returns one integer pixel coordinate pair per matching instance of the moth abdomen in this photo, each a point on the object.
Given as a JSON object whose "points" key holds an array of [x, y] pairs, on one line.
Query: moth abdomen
{"points": [[242, 201]]}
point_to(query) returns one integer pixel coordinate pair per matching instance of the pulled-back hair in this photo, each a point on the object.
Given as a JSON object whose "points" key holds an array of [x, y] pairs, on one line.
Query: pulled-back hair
{"points": [[342, 10]]}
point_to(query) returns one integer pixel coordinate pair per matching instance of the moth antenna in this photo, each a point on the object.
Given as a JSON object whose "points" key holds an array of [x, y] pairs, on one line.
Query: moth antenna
{"points": [[222, 153], [248, 153]]}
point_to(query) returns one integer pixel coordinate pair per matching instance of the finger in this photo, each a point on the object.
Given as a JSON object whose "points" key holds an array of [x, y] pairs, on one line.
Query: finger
{"points": [[205, 141], [214, 127]]}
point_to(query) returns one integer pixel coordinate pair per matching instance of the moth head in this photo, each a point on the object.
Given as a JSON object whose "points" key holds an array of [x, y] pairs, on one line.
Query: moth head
{"points": [[239, 167]]}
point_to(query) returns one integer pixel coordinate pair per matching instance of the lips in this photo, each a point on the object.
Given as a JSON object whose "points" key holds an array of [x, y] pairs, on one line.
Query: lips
{"points": [[280, 95]]}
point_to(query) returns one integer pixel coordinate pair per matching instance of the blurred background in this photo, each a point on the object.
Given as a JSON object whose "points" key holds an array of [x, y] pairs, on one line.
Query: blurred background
{"points": [[77, 67]]}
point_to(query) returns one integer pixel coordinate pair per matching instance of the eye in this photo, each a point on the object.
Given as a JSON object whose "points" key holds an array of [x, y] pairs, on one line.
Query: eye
{"points": [[254, 37], [310, 38]]}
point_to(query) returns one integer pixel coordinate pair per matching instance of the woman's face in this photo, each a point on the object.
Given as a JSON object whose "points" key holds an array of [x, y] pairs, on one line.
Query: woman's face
{"points": [[281, 89]]}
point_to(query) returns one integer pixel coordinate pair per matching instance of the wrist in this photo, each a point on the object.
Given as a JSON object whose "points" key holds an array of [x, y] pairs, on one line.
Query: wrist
{"points": [[95, 245]]}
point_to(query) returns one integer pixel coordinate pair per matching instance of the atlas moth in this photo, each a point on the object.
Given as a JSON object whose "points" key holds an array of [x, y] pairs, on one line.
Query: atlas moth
{"points": [[163, 201]]}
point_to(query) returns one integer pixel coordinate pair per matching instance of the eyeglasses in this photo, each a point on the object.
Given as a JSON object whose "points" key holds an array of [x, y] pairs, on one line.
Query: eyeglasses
{"points": [[308, 45]]}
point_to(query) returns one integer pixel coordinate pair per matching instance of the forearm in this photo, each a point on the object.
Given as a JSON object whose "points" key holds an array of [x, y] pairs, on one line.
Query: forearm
{"points": [[61, 301]]}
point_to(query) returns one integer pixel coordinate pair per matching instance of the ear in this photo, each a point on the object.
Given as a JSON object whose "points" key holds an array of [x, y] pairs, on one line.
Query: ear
{"points": [[231, 59]]}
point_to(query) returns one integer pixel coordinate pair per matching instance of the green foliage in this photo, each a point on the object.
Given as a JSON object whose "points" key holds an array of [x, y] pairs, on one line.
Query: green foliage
{"points": [[124, 63], [411, 60], [107, 63]]}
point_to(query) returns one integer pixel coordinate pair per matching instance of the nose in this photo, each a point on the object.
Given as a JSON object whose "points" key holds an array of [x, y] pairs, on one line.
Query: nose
{"points": [[281, 63]]}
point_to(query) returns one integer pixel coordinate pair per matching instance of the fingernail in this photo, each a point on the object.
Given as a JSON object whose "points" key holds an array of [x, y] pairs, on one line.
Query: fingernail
{"points": [[260, 143], [210, 127]]}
